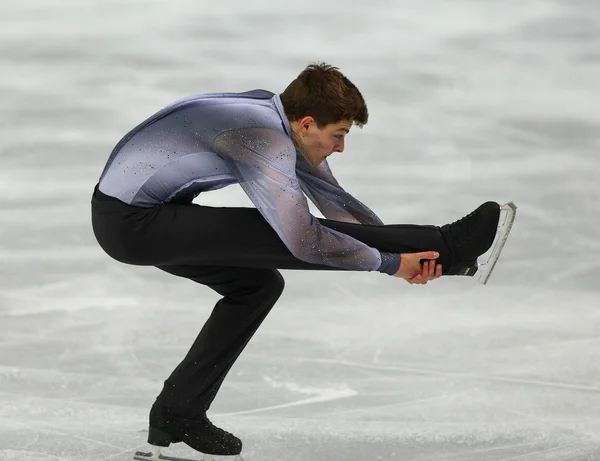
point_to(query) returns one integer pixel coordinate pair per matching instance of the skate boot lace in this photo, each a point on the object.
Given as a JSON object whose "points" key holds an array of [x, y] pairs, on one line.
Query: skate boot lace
{"points": [[461, 229], [221, 433]]}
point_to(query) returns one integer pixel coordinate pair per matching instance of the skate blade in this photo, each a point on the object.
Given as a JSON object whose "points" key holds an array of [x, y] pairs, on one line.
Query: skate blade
{"points": [[155, 455], [485, 269]]}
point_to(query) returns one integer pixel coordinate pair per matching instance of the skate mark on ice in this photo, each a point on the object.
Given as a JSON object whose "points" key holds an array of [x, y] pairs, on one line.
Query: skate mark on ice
{"points": [[55, 373], [80, 437], [323, 395], [124, 451], [554, 424], [282, 406], [392, 404], [588, 435], [38, 454], [76, 400], [509, 446], [546, 450], [34, 439], [39, 430], [40, 304], [461, 375], [428, 371]]}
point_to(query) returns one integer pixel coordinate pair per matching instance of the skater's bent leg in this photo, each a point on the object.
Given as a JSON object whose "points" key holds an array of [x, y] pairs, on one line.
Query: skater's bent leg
{"points": [[248, 296]]}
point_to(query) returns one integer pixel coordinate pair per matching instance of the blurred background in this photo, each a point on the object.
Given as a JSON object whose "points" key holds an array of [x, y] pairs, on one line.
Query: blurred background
{"points": [[469, 101]]}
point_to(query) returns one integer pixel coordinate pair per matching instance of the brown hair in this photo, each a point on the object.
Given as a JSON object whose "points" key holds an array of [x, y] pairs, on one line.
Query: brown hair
{"points": [[325, 94]]}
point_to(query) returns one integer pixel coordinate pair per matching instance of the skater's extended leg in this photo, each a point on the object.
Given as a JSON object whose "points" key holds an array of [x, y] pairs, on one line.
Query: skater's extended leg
{"points": [[191, 234]]}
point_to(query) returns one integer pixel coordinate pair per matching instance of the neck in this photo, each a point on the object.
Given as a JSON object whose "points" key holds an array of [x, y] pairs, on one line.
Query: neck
{"points": [[296, 137]]}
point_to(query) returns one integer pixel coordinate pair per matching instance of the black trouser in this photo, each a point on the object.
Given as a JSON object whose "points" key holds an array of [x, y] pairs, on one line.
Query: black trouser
{"points": [[235, 252]]}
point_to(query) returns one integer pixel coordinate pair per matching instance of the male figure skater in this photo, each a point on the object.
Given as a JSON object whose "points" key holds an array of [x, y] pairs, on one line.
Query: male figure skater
{"points": [[275, 146]]}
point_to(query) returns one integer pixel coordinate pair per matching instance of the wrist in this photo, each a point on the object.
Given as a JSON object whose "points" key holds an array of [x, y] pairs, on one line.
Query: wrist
{"points": [[390, 263]]}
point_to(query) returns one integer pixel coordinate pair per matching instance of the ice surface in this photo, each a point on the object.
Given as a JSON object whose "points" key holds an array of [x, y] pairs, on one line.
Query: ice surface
{"points": [[469, 101]]}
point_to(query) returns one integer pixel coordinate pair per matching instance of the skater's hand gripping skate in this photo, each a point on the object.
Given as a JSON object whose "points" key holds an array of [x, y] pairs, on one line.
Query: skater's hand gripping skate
{"points": [[414, 272]]}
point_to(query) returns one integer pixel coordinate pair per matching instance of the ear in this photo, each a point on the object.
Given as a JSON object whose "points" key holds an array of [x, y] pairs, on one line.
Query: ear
{"points": [[306, 122]]}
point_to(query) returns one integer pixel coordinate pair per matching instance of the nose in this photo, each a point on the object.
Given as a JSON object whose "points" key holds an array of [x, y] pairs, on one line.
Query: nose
{"points": [[339, 147]]}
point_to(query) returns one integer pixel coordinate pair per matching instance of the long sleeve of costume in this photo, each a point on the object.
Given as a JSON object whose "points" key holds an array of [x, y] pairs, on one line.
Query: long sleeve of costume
{"points": [[264, 163], [319, 184]]}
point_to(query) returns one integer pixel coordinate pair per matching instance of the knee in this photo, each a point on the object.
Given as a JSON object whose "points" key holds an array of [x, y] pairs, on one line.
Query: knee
{"points": [[265, 288], [262, 286], [272, 284]]}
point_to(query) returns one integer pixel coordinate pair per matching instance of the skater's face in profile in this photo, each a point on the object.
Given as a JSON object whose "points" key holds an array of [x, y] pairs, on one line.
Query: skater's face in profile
{"points": [[315, 143]]}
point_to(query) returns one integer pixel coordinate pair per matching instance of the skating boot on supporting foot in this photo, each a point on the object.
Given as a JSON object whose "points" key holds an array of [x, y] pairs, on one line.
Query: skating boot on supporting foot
{"points": [[199, 434], [472, 236]]}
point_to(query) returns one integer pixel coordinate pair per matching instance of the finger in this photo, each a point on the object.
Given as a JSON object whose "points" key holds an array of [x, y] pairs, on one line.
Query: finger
{"points": [[431, 273], [425, 269], [438, 271], [425, 274], [429, 255]]}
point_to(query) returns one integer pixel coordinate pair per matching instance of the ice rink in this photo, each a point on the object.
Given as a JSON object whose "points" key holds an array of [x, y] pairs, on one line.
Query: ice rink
{"points": [[469, 101]]}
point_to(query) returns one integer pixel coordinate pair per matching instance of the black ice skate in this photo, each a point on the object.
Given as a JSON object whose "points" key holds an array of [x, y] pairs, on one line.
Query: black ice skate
{"points": [[199, 434], [472, 236]]}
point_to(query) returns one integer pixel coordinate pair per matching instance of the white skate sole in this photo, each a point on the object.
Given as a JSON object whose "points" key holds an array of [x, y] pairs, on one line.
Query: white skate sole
{"points": [[486, 268], [155, 455]]}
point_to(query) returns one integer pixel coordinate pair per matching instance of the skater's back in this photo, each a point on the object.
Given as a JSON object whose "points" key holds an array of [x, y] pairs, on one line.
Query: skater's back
{"points": [[173, 154]]}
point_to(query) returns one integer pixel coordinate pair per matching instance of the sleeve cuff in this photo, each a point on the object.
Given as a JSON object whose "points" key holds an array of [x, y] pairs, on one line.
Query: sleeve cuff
{"points": [[390, 263]]}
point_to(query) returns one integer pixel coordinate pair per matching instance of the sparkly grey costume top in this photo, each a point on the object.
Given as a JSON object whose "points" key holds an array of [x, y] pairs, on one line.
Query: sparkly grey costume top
{"points": [[208, 141]]}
